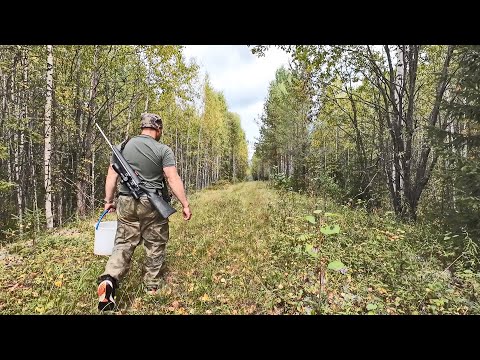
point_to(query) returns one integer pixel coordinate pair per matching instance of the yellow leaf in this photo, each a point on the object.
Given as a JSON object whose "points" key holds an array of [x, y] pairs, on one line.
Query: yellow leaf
{"points": [[205, 298], [181, 311], [382, 290], [168, 291], [40, 310], [58, 283]]}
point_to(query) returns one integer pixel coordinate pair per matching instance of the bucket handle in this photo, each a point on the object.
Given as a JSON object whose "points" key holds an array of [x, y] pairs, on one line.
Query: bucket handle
{"points": [[101, 217]]}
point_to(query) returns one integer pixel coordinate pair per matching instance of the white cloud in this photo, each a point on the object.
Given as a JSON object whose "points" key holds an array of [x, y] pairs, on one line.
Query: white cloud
{"points": [[241, 76]]}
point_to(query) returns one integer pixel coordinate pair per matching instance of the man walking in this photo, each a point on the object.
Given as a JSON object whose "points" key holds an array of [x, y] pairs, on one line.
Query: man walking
{"points": [[137, 219]]}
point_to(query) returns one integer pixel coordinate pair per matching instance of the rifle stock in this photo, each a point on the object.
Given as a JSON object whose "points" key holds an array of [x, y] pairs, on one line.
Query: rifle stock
{"points": [[160, 204]]}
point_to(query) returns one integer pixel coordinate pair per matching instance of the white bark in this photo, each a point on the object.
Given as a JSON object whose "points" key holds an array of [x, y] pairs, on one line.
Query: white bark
{"points": [[34, 178], [93, 180], [18, 148], [185, 174], [198, 157], [9, 165], [48, 138], [400, 73]]}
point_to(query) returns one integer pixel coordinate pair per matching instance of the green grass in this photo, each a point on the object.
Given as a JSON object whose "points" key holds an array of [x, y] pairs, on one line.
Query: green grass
{"points": [[243, 252]]}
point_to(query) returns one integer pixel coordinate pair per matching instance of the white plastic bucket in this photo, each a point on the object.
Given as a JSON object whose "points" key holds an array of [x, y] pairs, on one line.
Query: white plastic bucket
{"points": [[104, 237]]}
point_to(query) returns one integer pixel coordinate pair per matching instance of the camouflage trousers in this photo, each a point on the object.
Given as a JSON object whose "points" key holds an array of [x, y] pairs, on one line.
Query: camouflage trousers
{"points": [[137, 221]]}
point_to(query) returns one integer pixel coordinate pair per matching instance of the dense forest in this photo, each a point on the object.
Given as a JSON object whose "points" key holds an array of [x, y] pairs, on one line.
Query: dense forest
{"points": [[380, 127], [53, 160], [366, 191]]}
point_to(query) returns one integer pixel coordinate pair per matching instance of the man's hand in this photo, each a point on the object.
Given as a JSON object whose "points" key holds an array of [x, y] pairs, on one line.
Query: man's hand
{"points": [[110, 206], [176, 185], [187, 214]]}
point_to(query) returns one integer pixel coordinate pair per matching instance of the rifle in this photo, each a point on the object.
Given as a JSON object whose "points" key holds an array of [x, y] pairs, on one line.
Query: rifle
{"points": [[132, 180]]}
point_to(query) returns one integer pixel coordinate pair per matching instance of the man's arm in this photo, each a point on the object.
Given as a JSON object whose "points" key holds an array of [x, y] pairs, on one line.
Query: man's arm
{"points": [[110, 184], [176, 185]]}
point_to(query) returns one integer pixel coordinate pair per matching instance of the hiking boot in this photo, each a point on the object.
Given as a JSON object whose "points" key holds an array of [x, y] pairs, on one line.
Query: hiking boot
{"points": [[106, 293]]}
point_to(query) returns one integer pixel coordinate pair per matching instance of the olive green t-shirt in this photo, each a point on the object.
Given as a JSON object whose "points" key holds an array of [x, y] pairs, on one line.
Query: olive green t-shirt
{"points": [[147, 157]]}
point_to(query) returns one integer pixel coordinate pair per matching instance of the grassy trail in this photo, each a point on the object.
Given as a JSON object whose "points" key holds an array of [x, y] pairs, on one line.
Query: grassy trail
{"points": [[244, 252], [214, 263]]}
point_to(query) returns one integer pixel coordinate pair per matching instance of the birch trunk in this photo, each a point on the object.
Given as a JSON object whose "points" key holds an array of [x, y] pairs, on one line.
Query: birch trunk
{"points": [[48, 139]]}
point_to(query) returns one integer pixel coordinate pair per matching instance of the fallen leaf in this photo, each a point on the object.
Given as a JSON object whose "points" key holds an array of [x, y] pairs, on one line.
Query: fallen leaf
{"points": [[277, 311], [136, 304], [382, 290], [205, 298], [168, 291], [40, 310]]}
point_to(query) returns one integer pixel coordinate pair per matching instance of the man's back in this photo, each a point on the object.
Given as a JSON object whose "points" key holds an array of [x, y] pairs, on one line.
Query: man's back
{"points": [[148, 158]]}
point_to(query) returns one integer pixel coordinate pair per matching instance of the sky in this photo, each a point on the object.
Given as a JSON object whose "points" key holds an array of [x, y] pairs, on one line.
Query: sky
{"points": [[242, 77]]}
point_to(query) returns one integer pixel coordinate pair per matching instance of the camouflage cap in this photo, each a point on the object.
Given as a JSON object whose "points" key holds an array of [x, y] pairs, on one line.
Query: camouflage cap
{"points": [[151, 121]]}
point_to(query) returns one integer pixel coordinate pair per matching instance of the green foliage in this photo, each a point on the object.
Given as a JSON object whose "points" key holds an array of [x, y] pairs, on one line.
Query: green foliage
{"points": [[280, 181], [336, 265], [310, 219], [329, 214], [338, 134], [328, 185], [236, 163], [311, 251], [284, 130], [110, 85], [218, 185], [393, 268], [3, 152], [266, 259], [459, 146], [5, 185], [330, 229]]}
